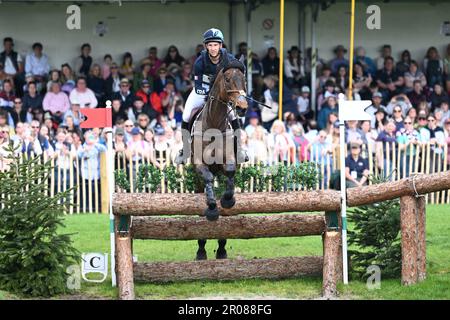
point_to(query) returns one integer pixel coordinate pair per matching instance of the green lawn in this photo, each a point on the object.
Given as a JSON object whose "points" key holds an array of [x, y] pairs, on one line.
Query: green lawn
{"points": [[91, 234]]}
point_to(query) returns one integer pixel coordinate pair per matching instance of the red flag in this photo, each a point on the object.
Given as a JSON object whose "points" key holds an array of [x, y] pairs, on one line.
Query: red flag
{"points": [[96, 118]]}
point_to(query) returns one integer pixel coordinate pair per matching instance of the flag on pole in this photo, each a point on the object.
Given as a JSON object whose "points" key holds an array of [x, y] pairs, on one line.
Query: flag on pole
{"points": [[96, 118]]}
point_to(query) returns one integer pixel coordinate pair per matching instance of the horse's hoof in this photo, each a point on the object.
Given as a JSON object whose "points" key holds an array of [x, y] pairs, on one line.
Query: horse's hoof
{"points": [[227, 203], [221, 254], [212, 214], [201, 255]]}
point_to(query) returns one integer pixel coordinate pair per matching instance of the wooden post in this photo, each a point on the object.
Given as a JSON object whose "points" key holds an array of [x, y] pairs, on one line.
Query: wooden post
{"points": [[104, 183], [124, 261], [412, 216], [332, 268]]}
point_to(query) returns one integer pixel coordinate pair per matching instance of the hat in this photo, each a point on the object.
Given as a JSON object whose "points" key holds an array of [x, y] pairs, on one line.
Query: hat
{"points": [[355, 145], [294, 48], [253, 115], [47, 116], [305, 89], [145, 82], [159, 131], [377, 94], [124, 80], [120, 131], [74, 101], [29, 75], [340, 47], [135, 131]]}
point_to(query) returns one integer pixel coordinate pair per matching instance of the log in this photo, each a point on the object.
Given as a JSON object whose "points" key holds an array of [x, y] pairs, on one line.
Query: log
{"points": [[236, 227], [145, 204], [421, 233], [141, 204], [228, 269], [332, 263], [408, 216], [425, 183], [124, 268]]}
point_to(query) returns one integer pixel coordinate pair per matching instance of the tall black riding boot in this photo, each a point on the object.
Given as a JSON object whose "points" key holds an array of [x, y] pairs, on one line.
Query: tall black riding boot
{"points": [[241, 155], [181, 157]]}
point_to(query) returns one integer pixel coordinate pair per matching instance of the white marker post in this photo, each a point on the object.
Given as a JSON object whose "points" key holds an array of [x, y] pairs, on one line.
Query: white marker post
{"points": [[110, 173], [348, 110]]}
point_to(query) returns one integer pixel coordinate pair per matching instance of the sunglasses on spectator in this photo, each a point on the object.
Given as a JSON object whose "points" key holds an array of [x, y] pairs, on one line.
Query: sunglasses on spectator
{"points": [[17, 102], [34, 127], [407, 122], [423, 119], [397, 110], [124, 85]]}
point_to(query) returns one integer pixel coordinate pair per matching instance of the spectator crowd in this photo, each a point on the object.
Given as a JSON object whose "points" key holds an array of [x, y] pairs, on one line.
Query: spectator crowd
{"points": [[40, 105]]}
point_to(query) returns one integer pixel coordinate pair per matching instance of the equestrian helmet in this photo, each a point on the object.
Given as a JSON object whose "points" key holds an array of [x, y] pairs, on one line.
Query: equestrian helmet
{"points": [[213, 35]]}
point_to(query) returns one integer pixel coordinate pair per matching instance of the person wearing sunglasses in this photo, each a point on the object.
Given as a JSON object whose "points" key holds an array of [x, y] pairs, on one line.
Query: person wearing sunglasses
{"points": [[408, 139], [397, 116]]}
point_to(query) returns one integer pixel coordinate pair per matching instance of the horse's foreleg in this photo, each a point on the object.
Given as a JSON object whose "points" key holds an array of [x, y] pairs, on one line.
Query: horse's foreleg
{"points": [[211, 213], [227, 200]]}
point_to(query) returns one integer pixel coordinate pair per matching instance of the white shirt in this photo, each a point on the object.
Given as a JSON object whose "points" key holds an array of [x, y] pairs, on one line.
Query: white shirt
{"points": [[302, 104], [37, 66], [9, 66], [86, 98]]}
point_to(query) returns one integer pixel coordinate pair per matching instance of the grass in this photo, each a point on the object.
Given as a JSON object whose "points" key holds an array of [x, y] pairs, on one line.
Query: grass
{"points": [[91, 234]]}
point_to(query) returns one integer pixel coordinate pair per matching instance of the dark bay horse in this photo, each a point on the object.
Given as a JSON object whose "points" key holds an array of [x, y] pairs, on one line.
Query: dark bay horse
{"points": [[214, 144]]}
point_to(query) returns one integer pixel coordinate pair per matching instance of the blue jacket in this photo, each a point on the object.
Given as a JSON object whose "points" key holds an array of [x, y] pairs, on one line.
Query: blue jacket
{"points": [[205, 70]]}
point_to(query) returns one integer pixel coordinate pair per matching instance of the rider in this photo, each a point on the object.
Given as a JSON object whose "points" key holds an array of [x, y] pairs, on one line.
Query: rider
{"points": [[205, 68]]}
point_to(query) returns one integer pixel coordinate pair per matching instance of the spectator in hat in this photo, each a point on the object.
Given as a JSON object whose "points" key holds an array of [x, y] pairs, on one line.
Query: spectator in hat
{"points": [[389, 80], [356, 168], [386, 51], [304, 105], [84, 61], [83, 94], [137, 148], [271, 62], [112, 83], [145, 91], [294, 68], [143, 74], [339, 60], [56, 102], [377, 97], [74, 112], [161, 81], [36, 63], [119, 143], [125, 95], [253, 123], [368, 65]]}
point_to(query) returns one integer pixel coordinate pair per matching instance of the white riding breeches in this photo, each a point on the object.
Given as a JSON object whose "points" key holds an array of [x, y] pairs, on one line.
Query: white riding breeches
{"points": [[194, 102]]}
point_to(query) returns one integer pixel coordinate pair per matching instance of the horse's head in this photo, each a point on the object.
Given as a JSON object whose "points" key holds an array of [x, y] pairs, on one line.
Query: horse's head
{"points": [[232, 87]]}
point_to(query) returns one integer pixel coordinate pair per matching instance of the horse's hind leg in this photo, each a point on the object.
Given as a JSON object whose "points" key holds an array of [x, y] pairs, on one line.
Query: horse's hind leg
{"points": [[221, 252], [227, 200], [201, 252], [212, 212]]}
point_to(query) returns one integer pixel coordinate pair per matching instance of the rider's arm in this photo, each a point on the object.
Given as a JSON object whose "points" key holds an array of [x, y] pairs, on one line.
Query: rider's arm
{"points": [[198, 77]]}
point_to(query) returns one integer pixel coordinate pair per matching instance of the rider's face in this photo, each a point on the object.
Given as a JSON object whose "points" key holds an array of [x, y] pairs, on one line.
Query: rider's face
{"points": [[213, 48]]}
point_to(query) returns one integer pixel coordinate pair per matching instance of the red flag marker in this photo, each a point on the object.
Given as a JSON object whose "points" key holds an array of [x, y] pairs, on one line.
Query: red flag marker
{"points": [[96, 118]]}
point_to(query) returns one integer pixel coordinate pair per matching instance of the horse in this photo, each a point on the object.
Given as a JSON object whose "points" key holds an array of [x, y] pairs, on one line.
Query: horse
{"points": [[227, 95]]}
